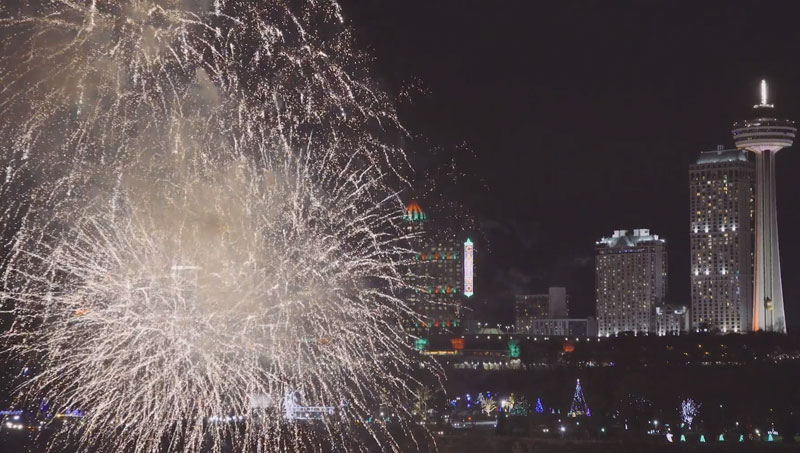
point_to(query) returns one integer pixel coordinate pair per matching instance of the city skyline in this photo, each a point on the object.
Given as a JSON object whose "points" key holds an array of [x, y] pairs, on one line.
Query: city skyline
{"points": [[348, 225], [735, 266], [566, 143]]}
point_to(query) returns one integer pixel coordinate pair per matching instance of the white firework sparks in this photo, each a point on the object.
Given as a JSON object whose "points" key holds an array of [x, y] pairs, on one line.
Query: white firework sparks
{"points": [[204, 226]]}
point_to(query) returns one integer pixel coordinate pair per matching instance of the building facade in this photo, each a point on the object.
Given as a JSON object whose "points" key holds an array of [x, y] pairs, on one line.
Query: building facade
{"points": [[530, 307], [630, 281], [564, 327], [722, 206], [440, 276], [672, 319]]}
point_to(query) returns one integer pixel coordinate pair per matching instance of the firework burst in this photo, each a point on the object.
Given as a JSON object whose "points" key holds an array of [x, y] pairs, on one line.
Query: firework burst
{"points": [[205, 227]]}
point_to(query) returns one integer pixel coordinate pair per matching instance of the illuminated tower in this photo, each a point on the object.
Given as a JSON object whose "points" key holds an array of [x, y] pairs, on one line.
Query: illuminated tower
{"points": [[766, 134]]}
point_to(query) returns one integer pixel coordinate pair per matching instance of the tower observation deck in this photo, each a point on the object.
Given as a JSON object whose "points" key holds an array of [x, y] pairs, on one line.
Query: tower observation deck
{"points": [[764, 135]]}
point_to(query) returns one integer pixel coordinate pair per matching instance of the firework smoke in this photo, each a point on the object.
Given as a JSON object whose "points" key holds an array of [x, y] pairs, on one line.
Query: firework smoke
{"points": [[203, 218]]}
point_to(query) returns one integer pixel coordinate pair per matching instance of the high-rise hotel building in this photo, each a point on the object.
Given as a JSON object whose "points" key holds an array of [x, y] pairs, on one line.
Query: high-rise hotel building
{"points": [[631, 280], [441, 275], [722, 206]]}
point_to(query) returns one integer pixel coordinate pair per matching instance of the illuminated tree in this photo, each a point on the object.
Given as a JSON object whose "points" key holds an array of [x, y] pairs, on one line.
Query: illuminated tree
{"points": [[508, 403], [688, 411], [488, 405], [579, 406], [422, 398], [521, 408], [539, 408]]}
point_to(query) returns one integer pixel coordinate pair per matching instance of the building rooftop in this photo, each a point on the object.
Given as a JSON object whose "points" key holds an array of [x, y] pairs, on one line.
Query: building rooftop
{"points": [[414, 213], [719, 156], [624, 238]]}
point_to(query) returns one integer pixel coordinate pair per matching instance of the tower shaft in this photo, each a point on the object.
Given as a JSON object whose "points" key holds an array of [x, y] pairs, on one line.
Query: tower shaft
{"points": [[768, 311]]}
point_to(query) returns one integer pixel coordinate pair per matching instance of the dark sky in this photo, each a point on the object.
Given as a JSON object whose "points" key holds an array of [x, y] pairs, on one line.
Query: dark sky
{"points": [[583, 118]]}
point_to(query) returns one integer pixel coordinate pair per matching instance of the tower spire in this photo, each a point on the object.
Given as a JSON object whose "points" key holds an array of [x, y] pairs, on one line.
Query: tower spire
{"points": [[764, 97]]}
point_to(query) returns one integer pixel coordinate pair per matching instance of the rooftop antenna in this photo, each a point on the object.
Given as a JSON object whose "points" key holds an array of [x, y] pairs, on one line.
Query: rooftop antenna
{"points": [[764, 102]]}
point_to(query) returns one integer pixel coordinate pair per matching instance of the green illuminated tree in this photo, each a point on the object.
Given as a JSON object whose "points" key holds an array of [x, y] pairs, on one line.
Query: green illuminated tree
{"points": [[521, 408]]}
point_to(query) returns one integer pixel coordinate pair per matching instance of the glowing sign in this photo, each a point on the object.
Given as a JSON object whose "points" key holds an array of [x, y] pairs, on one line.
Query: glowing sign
{"points": [[468, 273]]}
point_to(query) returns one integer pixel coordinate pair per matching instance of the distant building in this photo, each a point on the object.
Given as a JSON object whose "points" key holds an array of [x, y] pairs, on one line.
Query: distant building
{"points": [[441, 276], [672, 319], [631, 279], [564, 327], [529, 307], [722, 206], [559, 302]]}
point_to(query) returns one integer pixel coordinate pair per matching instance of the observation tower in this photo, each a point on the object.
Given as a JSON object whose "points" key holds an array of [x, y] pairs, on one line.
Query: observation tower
{"points": [[766, 134]]}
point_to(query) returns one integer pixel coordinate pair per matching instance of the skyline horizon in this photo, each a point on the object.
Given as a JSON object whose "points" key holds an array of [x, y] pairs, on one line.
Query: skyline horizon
{"points": [[552, 147]]}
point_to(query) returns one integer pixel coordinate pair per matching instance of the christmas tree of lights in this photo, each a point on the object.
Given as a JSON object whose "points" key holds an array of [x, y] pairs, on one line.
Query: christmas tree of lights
{"points": [[579, 406], [539, 408], [521, 408]]}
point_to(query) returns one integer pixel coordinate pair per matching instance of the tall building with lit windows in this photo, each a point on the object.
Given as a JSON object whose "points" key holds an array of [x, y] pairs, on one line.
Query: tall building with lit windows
{"points": [[631, 281], [530, 307], [722, 206], [441, 275]]}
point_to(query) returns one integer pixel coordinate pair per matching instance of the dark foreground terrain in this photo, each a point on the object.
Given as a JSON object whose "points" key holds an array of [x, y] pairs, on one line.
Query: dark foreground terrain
{"points": [[480, 442], [486, 442]]}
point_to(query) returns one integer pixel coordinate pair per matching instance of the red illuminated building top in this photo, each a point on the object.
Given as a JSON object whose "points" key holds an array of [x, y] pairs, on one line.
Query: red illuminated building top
{"points": [[414, 213]]}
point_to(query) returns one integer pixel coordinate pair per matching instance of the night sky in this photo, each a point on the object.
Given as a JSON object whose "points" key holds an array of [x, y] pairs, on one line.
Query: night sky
{"points": [[580, 118]]}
